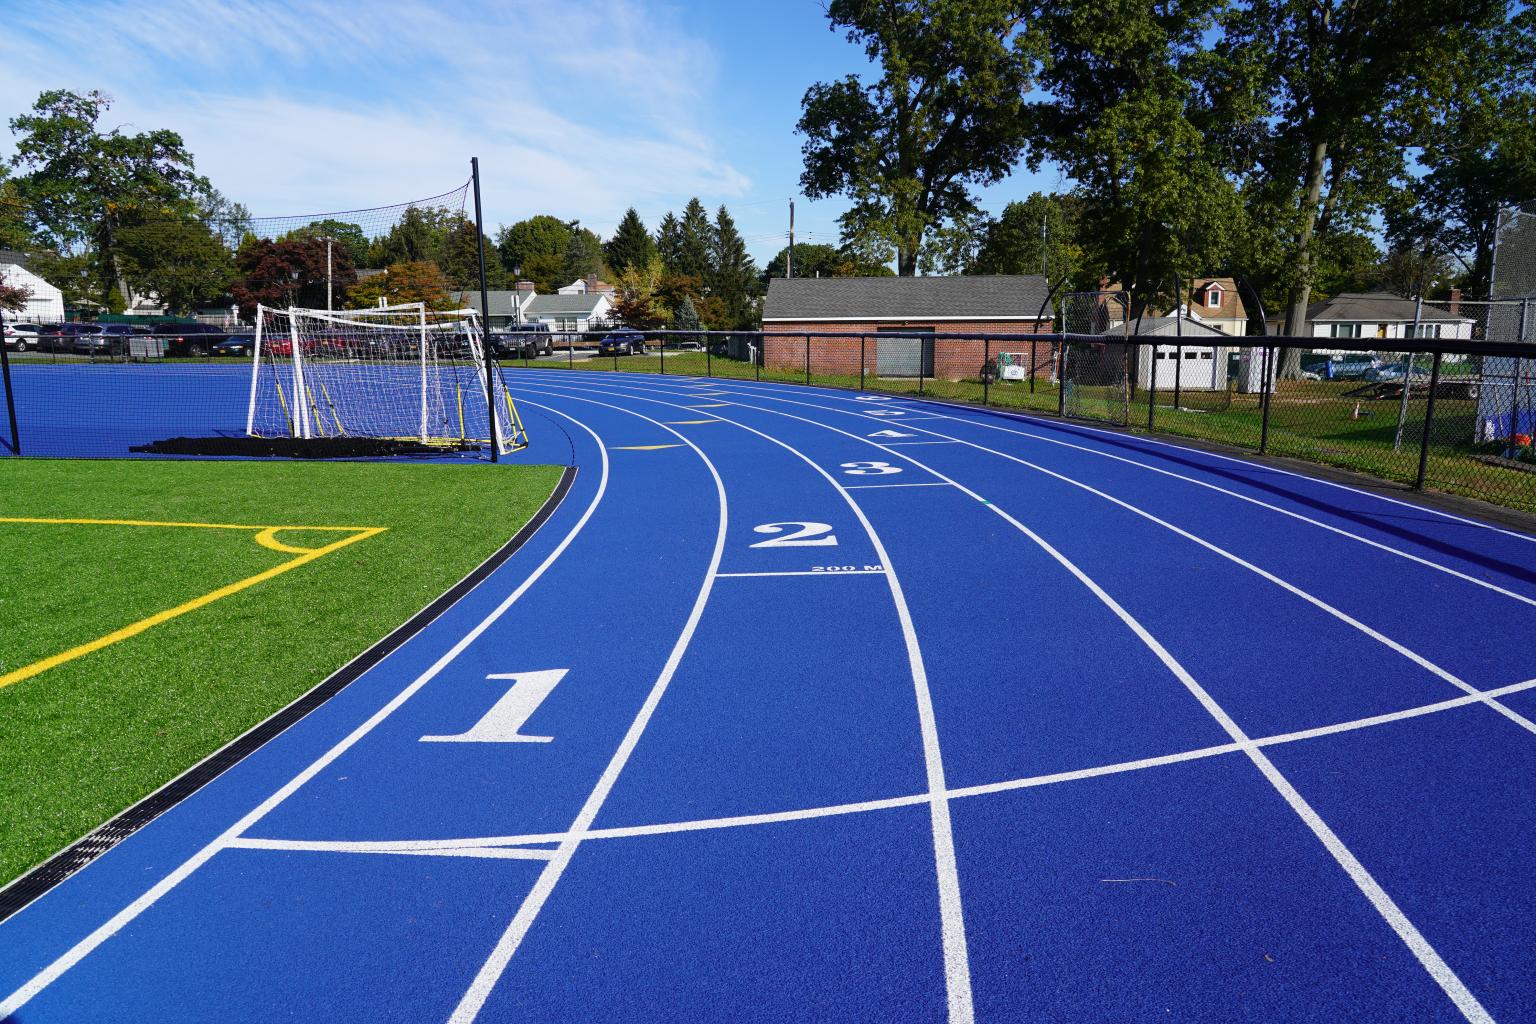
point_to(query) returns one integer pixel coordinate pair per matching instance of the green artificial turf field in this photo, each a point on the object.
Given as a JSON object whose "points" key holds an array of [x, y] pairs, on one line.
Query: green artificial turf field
{"points": [[130, 650]]}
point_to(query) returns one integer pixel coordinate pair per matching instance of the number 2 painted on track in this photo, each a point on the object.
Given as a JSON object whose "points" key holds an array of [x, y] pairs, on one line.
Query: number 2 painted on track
{"points": [[809, 535], [870, 468]]}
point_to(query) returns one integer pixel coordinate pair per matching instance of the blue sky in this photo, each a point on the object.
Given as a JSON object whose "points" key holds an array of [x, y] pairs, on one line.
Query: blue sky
{"points": [[579, 109]]}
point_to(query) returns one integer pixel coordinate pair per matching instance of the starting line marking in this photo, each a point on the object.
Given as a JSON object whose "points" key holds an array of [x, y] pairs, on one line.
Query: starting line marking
{"points": [[689, 423], [266, 536], [809, 572]]}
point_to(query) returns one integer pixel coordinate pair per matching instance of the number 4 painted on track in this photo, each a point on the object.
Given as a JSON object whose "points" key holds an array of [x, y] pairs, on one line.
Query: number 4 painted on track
{"points": [[508, 715]]}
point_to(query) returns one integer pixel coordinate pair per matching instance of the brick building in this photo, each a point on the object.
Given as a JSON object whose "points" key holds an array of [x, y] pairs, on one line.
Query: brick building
{"points": [[904, 319]]}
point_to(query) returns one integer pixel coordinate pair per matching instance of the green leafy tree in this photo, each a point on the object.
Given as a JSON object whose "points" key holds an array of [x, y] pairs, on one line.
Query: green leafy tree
{"points": [[420, 234], [636, 302], [733, 275], [583, 255], [535, 249], [15, 228], [412, 281], [1035, 236], [461, 258], [631, 244], [82, 185], [1348, 261], [946, 113], [289, 273], [345, 236], [695, 239], [182, 262]]}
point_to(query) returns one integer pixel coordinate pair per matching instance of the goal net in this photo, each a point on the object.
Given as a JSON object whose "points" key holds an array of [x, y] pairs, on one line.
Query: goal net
{"points": [[400, 373]]}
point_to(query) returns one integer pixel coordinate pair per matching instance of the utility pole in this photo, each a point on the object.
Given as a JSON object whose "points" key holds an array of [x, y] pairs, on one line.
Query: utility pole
{"points": [[789, 254], [328, 274], [1042, 248]]}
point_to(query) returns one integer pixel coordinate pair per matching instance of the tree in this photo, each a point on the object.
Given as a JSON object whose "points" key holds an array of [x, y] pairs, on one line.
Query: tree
{"points": [[1036, 236], [1328, 96], [420, 234], [15, 230], [1348, 261], [669, 243], [535, 249], [1127, 116], [695, 238], [583, 255], [461, 258], [183, 262], [412, 281], [290, 273], [947, 112], [13, 297], [84, 185], [345, 235], [631, 244], [636, 302], [687, 319], [732, 275]]}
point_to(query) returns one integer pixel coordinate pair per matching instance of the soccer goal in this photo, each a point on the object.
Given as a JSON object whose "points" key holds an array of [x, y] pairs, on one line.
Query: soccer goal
{"points": [[400, 373]]}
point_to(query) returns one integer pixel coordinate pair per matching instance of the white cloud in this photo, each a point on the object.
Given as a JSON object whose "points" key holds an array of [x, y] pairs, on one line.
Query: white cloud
{"points": [[579, 110]]}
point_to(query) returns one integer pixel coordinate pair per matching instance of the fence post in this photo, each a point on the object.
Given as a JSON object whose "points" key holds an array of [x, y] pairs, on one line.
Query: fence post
{"points": [[709, 358], [10, 393], [922, 361], [759, 356], [1429, 421], [485, 323], [1514, 399], [1033, 364], [861, 362], [1402, 406], [1264, 397], [1061, 374], [663, 344], [570, 352], [986, 367], [807, 358], [1152, 388]]}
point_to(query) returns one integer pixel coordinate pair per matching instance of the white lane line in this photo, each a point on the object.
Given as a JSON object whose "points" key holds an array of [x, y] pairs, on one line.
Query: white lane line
{"points": [[324, 846], [1385, 906], [982, 789], [957, 969], [807, 572], [870, 487], [899, 443], [1317, 602], [84, 947], [490, 972]]}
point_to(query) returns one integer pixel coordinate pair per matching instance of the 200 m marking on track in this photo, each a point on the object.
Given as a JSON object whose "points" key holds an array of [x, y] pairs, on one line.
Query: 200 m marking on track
{"points": [[847, 568]]}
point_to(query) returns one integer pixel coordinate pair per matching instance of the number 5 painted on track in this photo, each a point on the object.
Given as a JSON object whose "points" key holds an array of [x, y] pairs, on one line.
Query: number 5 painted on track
{"points": [[810, 535], [508, 715], [870, 468]]}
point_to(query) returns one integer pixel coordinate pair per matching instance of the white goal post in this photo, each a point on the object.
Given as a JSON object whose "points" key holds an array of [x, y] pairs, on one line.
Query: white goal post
{"points": [[400, 373]]}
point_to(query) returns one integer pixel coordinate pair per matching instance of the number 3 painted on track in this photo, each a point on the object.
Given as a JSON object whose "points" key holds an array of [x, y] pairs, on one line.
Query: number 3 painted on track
{"points": [[809, 535], [869, 468]]}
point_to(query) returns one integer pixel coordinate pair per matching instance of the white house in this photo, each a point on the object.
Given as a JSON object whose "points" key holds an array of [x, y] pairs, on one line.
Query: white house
{"points": [[1191, 358], [508, 306], [569, 314], [1362, 320], [44, 301]]}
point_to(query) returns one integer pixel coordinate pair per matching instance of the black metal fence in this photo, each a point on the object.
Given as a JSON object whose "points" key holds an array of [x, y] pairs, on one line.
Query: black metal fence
{"points": [[1452, 414]]}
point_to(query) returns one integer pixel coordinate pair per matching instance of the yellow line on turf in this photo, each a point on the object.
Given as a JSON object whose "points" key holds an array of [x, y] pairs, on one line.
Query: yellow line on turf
{"points": [[195, 526], [134, 629]]}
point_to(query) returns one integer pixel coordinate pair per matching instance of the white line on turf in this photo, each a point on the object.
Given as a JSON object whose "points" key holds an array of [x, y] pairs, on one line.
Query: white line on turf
{"points": [[957, 971], [1378, 897], [85, 946], [982, 789], [490, 972]]}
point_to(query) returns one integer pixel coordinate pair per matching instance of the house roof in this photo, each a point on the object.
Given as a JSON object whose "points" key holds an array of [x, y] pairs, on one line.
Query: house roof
{"points": [[553, 305], [1001, 297], [1376, 308], [13, 257], [503, 301], [1167, 327]]}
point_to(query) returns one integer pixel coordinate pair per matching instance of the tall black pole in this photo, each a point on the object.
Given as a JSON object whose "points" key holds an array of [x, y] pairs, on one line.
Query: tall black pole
{"points": [[485, 315], [10, 391]]}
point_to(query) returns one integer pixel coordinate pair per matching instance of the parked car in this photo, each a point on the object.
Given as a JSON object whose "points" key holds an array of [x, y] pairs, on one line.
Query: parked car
{"points": [[189, 339], [237, 344], [106, 340], [622, 343], [23, 336], [1395, 372], [685, 346], [523, 341]]}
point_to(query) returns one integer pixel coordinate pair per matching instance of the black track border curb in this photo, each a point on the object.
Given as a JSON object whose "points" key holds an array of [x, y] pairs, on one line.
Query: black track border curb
{"points": [[28, 887]]}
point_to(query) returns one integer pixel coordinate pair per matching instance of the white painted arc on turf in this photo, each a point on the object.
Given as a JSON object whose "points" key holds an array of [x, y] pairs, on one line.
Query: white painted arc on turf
{"points": [[1378, 897], [1025, 417], [1427, 562], [1236, 559], [113, 925], [884, 803], [957, 972], [495, 965]]}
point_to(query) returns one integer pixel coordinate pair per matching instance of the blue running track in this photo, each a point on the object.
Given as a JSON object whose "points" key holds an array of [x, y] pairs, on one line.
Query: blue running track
{"points": [[811, 705]]}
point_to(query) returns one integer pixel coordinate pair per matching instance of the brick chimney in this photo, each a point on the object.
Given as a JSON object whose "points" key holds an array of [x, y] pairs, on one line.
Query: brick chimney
{"points": [[524, 287], [1455, 300]]}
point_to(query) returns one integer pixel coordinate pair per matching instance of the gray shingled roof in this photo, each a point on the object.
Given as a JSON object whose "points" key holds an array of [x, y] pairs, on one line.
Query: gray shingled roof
{"points": [[501, 300], [905, 298], [1167, 327], [1376, 308], [548, 305]]}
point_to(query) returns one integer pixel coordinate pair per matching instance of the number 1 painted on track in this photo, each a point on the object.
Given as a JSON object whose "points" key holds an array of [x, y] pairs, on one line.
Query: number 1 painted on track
{"points": [[508, 715]]}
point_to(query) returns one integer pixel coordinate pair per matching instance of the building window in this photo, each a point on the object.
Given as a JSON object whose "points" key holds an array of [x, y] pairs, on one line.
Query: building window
{"points": [[1213, 297], [1421, 331], [1344, 331]]}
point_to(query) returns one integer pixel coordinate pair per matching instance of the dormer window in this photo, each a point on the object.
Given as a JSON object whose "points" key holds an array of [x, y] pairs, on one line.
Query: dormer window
{"points": [[1213, 296]]}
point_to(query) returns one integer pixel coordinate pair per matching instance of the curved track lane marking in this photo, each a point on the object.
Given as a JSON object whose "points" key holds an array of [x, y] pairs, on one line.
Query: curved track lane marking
{"points": [[113, 925], [1407, 932], [957, 972]]}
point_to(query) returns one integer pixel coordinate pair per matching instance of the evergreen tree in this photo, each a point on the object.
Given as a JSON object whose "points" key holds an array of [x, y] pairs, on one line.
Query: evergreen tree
{"points": [[694, 242], [732, 273], [669, 244], [631, 244], [687, 319], [461, 259], [583, 255]]}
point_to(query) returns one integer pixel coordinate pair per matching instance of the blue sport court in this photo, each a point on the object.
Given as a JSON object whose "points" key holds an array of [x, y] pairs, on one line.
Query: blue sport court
{"points": [[813, 705]]}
